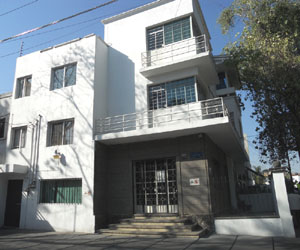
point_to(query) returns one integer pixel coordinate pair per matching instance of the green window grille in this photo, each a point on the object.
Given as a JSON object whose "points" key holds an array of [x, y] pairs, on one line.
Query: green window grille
{"points": [[169, 33], [67, 191]]}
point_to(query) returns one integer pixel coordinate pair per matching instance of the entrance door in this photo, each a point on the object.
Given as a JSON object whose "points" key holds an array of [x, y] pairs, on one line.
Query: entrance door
{"points": [[156, 186], [13, 203]]}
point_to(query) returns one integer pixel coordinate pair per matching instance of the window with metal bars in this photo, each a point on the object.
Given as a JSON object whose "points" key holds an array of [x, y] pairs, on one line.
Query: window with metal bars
{"points": [[67, 191], [63, 76], [23, 87], [172, 93], [168, 33], [60, 132]]}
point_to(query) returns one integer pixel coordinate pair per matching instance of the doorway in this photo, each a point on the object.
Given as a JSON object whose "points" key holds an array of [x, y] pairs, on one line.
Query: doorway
{"points": [[13, 203], [155, 185]]}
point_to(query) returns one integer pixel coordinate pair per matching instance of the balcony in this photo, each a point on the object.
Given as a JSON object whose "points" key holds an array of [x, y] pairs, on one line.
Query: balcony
{"points": [[209, 117], [181, 114], [192, 52]]}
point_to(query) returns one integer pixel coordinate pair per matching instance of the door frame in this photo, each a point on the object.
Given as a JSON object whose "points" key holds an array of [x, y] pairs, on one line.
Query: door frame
{"points": [[170, 208]]}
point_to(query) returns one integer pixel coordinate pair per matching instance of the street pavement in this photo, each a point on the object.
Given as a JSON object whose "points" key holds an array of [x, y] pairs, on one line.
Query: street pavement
{"points": [[24, 239]]}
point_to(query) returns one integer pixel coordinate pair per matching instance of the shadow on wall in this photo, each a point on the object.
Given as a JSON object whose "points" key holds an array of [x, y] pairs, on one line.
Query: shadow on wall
{"points": [[121, 84]]}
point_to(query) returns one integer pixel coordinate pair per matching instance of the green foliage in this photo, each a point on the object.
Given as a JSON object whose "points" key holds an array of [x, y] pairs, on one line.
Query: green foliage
{"points": [[267, 55]]}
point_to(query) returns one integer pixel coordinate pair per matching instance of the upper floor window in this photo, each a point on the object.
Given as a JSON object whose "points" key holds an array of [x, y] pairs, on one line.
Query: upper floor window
{"points": [[2, 128], [19, 137], [172, 93], [60, 132], [63, 76], [23, 87], [169, 33], [222, 81]]}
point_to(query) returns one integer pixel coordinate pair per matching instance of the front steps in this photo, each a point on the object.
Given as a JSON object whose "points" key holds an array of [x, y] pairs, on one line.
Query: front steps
{"points": [[159, 226]]}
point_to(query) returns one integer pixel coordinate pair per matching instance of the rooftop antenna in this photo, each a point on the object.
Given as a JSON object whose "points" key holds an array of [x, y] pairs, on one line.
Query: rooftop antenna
{"points": [[21, 49]]}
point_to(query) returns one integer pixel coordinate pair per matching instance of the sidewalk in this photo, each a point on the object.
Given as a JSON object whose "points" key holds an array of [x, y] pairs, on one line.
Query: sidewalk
{"points": [[24, 239]]}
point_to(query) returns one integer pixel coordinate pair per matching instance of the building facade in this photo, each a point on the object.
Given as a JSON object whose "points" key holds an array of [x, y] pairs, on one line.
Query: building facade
{"points": [[144, 122]]}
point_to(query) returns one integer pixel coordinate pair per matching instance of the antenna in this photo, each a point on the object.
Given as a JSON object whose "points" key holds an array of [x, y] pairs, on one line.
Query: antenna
{"points": [[21, 49]]}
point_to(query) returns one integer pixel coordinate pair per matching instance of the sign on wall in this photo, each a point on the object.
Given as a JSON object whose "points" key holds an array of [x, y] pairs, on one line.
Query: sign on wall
{"points": [[195, 182]]}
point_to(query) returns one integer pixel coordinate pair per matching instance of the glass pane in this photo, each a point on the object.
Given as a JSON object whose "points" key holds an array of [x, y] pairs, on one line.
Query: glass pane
{"points": [[2, 128], [20, 86], [157, 97], [57, 78], [23, 137], [68, 133], [168, 32], [27, 86], [177, 32], [17, 134], [155, 38], [70, 78], [56, 133]]}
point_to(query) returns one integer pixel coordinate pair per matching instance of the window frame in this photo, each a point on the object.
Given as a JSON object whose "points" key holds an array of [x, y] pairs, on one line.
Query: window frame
{"points": [[149, 29], [4, 128], [55, 196], [25, 86], [164, 88], [63, 131], [21, 143], [64, 67]]}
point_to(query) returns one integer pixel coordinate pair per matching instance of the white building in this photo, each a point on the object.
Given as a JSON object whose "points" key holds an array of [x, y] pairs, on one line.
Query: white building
{"points": [[145, 122]]}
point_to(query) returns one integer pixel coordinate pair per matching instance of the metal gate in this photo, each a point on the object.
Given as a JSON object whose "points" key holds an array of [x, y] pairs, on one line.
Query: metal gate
{"points": [[155, 186]]}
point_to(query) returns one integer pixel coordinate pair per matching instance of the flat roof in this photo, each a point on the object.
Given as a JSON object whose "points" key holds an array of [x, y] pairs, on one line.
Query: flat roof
{"points": [[135, 11], [5, 95]]}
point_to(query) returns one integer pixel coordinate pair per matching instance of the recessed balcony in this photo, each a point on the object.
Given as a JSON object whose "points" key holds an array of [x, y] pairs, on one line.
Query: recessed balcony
{"points": [[192, 52]]}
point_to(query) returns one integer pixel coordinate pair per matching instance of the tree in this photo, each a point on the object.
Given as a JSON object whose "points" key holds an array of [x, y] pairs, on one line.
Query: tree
{"points": [[267, 56], [258, 178]]}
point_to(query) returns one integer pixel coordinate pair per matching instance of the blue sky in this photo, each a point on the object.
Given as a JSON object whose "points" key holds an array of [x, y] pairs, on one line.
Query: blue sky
{"points": [[40, 12]]}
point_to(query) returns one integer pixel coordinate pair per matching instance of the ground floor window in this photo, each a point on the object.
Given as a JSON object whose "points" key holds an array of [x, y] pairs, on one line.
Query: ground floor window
{"points": [[61, 191], [172, 93]]}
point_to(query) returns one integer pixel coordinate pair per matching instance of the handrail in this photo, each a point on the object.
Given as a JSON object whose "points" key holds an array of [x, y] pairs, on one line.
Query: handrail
{"points": [[175, 50], [190, 112]]}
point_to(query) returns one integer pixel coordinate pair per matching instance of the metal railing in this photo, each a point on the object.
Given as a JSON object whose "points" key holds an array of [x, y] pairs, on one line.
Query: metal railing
{"points": [[175, 51], [186, 113]]}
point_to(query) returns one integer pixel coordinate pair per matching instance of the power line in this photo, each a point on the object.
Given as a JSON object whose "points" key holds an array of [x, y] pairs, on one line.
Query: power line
{"points": [[10, 11], [58, 21], [61, 28], [49, 41]]}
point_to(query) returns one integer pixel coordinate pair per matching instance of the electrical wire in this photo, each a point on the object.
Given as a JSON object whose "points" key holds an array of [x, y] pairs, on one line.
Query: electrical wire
{"points": [[20, 7], [58, 21], [49, 41]]}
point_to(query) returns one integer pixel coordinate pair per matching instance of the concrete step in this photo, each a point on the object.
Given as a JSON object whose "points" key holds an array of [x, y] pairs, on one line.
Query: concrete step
{"points": [[155, 221], [151, 227], [194, 234]]}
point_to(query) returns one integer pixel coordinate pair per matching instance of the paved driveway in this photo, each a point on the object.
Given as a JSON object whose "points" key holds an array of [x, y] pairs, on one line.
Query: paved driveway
{"points": [[23, 239]]}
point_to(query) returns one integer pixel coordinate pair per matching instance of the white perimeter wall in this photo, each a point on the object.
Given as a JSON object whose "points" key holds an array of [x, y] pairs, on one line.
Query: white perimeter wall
{"points": [[78, 158], [282, 226]]}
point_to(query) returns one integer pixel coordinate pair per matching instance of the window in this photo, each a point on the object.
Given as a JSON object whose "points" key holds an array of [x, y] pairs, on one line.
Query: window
{"points": [[172, 93], [61, 191], [60, 132], [2, 128], [19, 137], [168, 33], [23, 87], [222, 81], [63, 76]]}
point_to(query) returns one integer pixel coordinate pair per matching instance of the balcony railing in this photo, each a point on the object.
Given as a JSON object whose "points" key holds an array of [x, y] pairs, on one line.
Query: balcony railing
{"points": [[175, 51], [186, 113]]}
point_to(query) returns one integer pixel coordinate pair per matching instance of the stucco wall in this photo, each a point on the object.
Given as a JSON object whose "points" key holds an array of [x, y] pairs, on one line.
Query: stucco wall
{"points": [[77, 160], [127, 36], [5, 102]]}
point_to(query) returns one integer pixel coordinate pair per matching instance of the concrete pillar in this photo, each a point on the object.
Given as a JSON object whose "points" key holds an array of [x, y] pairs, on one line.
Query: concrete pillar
{"points": [[230, 167], [283, 206]]}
